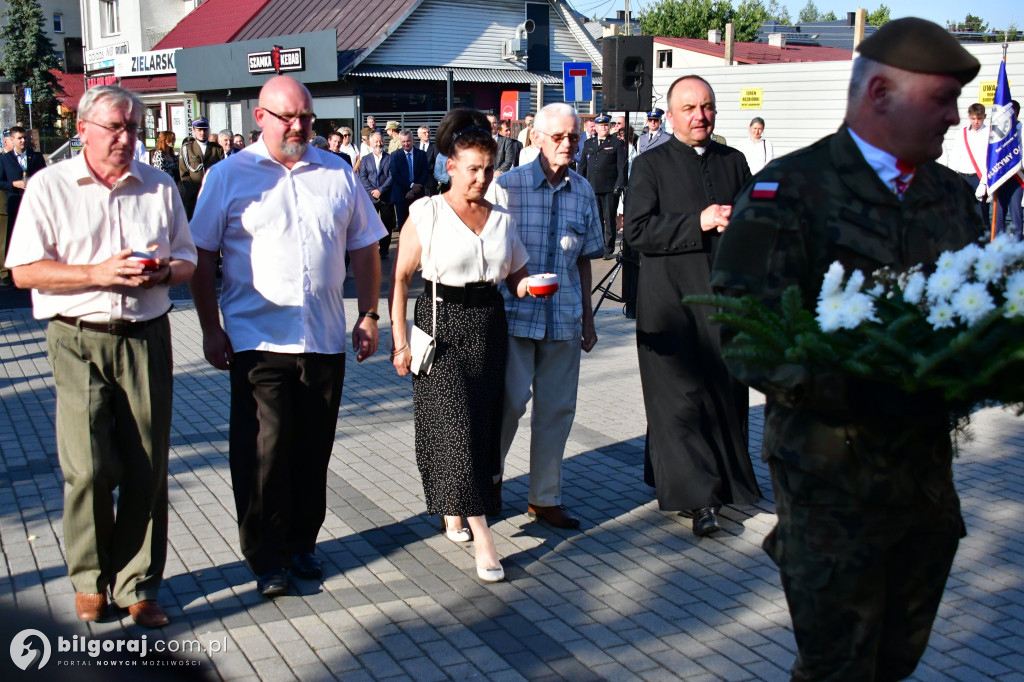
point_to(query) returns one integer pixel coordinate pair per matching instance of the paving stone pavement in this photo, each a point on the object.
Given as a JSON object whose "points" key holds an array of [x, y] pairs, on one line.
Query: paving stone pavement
{"points": [[632, 595]]}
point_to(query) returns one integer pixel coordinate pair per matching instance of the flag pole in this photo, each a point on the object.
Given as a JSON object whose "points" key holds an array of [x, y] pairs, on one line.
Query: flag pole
{"points": [[995, 199]]}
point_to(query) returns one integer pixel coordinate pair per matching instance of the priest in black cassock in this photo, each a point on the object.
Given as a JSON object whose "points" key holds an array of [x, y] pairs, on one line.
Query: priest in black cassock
{"points": [[679, 201]]}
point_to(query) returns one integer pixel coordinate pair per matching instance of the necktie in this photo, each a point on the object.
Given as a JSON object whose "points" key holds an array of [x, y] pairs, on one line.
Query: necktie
{"points": [[409, 156], [902, 182]]}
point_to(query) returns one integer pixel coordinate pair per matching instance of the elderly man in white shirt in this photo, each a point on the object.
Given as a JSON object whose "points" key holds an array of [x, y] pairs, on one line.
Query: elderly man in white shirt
{"points": [[284, 215], [100, 240], [968, 155]]}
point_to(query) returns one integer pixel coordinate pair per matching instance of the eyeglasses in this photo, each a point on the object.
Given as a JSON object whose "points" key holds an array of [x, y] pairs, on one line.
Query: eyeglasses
{"points": [[304, 118], [557, 139], [346, 134], [131, 128]]}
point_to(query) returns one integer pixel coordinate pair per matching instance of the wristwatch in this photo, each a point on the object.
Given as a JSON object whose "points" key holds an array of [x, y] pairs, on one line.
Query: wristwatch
{"points": [[370, 314]]}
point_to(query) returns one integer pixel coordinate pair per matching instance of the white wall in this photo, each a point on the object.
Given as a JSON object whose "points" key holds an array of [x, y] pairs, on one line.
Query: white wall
{"points": [[143, 22], [72, 20], [804, 102]]}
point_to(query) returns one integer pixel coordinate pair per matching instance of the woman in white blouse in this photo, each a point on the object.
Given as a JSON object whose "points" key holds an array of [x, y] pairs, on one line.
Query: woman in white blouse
{"points": [[348, 147], [465, 246], [756, 148]]}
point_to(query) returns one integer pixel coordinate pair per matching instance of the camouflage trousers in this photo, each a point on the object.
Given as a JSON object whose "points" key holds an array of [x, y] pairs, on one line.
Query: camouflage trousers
{"points": [[863, 582]]}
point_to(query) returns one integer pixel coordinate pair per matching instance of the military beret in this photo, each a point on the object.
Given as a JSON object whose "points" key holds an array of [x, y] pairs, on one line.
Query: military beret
{"points": [[918, 45], [201, 123], [603, 118], [366, 131], [393, 125], [655, 113]]}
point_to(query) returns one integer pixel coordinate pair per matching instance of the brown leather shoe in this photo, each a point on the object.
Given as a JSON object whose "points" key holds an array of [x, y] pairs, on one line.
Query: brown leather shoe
{"points": [[90, 606], [148, 614], [558, 517]]}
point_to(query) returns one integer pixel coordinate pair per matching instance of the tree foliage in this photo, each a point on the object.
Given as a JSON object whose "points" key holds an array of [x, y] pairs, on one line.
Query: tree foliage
{"points": [[828, 16], [970, 24], [694, 18], [880, 16], [27, 57], [809, 13]]}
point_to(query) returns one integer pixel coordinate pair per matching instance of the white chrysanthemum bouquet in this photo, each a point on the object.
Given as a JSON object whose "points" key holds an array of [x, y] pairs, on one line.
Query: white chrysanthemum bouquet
{"points": [[959, 329]]}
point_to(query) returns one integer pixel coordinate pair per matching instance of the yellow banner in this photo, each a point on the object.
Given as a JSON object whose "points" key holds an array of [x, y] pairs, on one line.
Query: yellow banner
{"points": [[751, 98]]}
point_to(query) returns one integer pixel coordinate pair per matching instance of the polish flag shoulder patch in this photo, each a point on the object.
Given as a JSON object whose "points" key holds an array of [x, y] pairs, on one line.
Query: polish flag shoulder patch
{"points": [[764, 190]]}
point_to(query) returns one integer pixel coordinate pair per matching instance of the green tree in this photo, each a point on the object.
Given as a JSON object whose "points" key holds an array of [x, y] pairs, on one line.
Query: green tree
{"points": [[970, 24], [779, 13], [28, 56], [685, 18], [809, 13], [880, 16], [828, 16], [750, 16]]}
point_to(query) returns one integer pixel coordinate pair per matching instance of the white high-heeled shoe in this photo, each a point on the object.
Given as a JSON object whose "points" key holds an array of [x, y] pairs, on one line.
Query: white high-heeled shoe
{"points": [[490, 575], [457, 534]]}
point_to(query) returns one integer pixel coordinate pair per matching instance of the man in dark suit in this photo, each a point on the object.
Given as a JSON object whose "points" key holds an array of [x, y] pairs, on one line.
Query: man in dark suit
{"points": [[603, 163], [507, 156], [197, 155], [15, 168], [427, 147], [375, 175], [409, 176]]}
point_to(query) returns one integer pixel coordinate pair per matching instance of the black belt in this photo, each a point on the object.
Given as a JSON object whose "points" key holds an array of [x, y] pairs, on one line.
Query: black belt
{"points": [[116, 327], [473, 295]]}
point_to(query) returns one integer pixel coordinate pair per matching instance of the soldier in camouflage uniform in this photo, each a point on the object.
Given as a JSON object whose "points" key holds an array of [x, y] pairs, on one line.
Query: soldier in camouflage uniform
{"points": [[868, 518]]}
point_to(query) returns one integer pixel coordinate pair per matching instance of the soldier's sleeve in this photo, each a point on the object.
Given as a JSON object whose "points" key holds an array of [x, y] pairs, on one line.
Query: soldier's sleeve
{"points": [[620, 166]]}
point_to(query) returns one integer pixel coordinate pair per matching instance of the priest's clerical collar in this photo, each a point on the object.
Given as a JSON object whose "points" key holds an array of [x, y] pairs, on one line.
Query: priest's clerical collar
{"points": [[700, 150]]}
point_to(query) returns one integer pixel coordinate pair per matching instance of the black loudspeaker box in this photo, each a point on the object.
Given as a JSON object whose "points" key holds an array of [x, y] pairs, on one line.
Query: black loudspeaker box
{"points": [[626, 77]]}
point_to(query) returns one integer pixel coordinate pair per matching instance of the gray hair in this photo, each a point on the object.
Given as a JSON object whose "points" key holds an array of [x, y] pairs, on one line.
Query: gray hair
{"points": [[320, 142], [116, 98], [343, 130], [556, 110], [405, 133], [226, 132], [864, 70]]}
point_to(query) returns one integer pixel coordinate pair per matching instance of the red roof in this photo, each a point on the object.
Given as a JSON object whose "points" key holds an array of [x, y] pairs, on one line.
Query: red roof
{"points": [[212, 23], [161, 82], [759, 53], [70, 88]]}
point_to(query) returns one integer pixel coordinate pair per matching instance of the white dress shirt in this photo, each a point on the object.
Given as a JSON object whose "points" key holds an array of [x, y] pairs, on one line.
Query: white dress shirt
{"points": [[959, 160], [882, 162], [452, 254], [283, 235], [141, 155], [67, 215]]}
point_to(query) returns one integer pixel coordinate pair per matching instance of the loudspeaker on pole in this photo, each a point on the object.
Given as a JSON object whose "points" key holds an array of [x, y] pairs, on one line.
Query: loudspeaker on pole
{"points": [[626, 75]]}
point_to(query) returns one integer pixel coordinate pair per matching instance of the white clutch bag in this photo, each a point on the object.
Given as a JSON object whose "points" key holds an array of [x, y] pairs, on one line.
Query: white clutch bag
{"points": [[422, 344], [422, 347]]}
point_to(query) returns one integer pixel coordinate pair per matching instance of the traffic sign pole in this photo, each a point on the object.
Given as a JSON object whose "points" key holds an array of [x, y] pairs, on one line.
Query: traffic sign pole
{"points": [[28, 101]]}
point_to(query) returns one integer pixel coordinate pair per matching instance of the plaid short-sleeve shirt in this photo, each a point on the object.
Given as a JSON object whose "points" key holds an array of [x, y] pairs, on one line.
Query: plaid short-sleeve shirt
{"points": [[559, 225]]}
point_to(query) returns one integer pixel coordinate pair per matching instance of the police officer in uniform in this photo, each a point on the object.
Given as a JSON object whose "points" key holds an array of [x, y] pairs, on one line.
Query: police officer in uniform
{"points": [[868, 518], [603, 164], [655, 134], [198, 153]]}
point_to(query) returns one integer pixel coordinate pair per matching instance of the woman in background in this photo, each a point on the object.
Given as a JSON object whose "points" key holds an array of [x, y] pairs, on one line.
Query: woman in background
{"points": [[164, 157], [756, 148]]}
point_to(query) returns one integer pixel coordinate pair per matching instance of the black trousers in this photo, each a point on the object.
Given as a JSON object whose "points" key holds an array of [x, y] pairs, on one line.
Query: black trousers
{"points": [[386, 212], [973, 180], [284, 411], [608, 208]]}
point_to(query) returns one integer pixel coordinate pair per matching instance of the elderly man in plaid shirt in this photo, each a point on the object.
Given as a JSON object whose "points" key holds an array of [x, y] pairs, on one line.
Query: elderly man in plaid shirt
{"points": [[556, 212]]}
